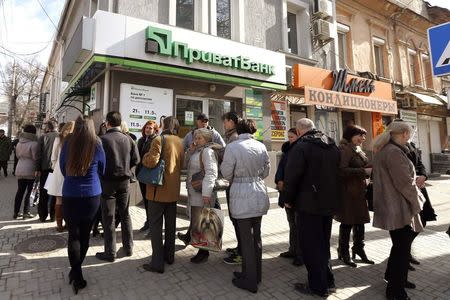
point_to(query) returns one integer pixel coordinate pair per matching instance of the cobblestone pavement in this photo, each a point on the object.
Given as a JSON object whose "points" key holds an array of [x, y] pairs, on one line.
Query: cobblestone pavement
{"points": [[44, 275]]}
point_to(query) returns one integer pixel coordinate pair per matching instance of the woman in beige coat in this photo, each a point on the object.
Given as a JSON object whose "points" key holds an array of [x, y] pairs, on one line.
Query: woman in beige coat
{"points": [[397, 202], [163, 199]]}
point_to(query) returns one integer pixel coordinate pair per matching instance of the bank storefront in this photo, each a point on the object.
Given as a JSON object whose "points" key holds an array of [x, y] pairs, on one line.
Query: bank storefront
{"points": [[336, 99], [147, 70]]}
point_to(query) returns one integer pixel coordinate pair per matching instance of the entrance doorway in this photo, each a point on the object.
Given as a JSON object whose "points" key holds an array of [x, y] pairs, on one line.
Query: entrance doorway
{"points": [[188, 108]]}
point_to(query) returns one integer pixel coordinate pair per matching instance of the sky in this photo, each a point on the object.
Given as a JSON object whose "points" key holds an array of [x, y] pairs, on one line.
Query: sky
{"points": [[25, 28]]}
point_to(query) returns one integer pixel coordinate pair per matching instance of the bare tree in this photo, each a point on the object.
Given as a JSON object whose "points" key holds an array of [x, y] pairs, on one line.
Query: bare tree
{"points": [[22, 84]]}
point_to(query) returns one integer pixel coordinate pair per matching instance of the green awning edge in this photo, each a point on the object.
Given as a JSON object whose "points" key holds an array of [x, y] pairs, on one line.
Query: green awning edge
{"points": [[164, 69]]}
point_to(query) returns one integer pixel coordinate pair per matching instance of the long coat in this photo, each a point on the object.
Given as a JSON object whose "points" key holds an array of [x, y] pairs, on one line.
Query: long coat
{"points": [[5, 148], [353, 209], [245, 165], [397, 200], [173, 155]]}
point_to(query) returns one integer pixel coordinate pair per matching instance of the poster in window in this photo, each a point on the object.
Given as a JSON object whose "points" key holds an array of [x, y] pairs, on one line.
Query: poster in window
{"points": [[279, 121]]}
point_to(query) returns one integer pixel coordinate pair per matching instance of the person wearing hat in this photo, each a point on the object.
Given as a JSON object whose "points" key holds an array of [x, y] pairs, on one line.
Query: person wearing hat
{"points": [[202, 122]]}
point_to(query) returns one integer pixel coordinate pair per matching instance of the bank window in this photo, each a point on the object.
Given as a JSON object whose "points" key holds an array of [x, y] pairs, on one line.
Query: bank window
{"points": [[223, 10], [378, 50], [292, 32], [185, 14], [342, 35], [428, 77]]}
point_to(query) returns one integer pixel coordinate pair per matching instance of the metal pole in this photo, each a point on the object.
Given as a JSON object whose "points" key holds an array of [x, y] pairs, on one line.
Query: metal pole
{"points": [[12, 103]]}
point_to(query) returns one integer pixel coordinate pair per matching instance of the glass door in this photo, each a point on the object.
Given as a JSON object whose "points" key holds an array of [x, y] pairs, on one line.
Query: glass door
{"points": [[217, 108], [187, 110]]}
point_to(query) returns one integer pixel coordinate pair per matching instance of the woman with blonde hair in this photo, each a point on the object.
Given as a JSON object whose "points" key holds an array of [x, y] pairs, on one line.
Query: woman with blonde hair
{"points": [[82, 162], [55, 181], [397, 203]]}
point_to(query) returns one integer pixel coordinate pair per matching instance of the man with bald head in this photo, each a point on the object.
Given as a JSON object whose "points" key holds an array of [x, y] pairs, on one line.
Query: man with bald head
{"points": [[312, 189]]}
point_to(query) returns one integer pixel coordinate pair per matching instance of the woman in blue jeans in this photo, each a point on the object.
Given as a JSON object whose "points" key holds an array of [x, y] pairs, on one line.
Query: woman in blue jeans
{"points": [[82, 160]]}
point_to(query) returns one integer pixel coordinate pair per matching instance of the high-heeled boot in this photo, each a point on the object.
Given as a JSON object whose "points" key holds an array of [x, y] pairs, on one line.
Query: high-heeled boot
{"points": [[358, 244], [343, 250], [59, 217]]}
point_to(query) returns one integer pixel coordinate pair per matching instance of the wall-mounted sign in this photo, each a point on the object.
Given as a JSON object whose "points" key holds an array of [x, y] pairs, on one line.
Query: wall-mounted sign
{"points": [[139, 104], [188, 118], [95, 94], [187, 49], [159, 41], [317, 96], [355, 85], [253, 110], [340, 81], [377, 124], [279, 121], [410, 117]]}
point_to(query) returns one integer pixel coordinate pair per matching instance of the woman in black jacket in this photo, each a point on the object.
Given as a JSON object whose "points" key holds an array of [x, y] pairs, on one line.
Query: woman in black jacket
{"points": [[149, 131], [294, 250]]}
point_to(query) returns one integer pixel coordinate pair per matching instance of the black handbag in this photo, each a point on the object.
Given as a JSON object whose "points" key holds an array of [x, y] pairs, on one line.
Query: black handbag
{"points": [[221, 184], [369, 195]]}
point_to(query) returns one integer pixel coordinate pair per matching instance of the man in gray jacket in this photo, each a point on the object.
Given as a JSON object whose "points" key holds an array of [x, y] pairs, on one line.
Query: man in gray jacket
{"points": [[202, 122], [44, 167]]}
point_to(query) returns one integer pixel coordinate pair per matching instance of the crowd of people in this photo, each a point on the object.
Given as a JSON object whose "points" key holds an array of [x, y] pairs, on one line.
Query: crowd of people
{"points": [[85, 176]]}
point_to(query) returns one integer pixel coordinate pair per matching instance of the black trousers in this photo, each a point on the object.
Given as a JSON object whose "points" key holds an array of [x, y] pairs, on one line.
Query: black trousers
{"points": [[293, 235], [234, 221], [251, 248], [24, 185], [314, 235], [4, 166], [79, 214], [159, 212], [143, 188], [44, 199], [398, 262], [115, 195]]}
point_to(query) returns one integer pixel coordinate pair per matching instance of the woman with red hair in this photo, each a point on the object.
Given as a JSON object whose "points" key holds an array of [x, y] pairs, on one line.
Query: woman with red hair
{"points": [[149, 131]]}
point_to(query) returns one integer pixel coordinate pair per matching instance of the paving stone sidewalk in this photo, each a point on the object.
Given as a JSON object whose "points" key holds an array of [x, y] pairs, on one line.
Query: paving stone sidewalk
{"points": [[44, 275]]}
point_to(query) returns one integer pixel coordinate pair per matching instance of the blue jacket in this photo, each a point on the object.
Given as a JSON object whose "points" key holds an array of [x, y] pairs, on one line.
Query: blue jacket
{"points": [[83, 186]]}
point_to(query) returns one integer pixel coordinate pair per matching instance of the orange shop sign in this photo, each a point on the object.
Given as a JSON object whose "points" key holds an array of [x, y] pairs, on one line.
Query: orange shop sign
{"points": [[343, 90]]}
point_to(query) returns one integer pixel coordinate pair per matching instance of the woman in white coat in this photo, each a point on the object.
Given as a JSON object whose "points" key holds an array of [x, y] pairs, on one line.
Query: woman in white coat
{"points": [[55, 181], [245, 165], [204, 149]]}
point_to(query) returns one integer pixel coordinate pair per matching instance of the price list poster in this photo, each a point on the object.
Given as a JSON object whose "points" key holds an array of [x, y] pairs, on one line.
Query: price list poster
{"points": [[139, 104]]}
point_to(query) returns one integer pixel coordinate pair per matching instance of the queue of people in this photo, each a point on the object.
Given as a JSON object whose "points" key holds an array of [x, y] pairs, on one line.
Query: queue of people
{"points": [[82, 173]]}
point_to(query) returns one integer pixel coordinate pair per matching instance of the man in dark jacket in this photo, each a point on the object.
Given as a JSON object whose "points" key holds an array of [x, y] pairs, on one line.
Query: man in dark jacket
{"points": [[312, 188], [5, 151], [44, 167], [121, 155]]}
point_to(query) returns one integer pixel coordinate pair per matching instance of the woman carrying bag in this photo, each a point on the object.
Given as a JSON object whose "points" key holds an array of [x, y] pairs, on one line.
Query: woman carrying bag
{"points": [[204, 196]]}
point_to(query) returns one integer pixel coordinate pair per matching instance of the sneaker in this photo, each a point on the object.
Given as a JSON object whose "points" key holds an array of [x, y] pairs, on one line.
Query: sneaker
{"points": [[232, 251], [28, 215], [104, 256], [18, 215], [233, 260]]}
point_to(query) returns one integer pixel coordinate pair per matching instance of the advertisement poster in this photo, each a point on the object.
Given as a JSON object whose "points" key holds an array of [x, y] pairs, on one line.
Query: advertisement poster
{"points": [[139, 104], [410, 117], [253, 110], [279, 121], [377, 124], [189, 118]]}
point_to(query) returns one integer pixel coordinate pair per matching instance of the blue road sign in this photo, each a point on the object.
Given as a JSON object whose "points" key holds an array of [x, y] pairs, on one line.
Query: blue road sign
{"points": [[439, 42]]}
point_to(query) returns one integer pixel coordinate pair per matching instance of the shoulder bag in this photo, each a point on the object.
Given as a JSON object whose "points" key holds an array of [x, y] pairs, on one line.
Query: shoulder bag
{"points": [[154, 176], [197, 178]]}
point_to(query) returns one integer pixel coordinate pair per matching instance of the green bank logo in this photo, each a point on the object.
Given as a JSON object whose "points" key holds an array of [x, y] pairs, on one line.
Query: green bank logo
{"points": [[160, 41]]}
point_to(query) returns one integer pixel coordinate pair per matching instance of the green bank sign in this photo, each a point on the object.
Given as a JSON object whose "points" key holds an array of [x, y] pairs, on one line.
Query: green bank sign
{"points": [[159, 41]]}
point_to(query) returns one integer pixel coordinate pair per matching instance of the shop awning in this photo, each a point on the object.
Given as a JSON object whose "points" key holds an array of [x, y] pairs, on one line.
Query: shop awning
{"points": [[444, 98], [427, 98]]}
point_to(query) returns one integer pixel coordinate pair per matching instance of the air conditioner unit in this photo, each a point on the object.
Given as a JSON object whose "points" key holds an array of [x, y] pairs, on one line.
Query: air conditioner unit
{"points": [[322, 29], [323, 9]]}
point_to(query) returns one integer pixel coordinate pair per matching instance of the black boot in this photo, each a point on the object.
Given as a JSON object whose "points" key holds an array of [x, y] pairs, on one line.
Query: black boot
{"points": [[185, 238], [343, 250], [358, 244]]}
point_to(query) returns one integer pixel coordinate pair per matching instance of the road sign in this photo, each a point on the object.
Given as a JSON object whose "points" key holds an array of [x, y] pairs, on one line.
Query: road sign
{"points": [[439, 43]]}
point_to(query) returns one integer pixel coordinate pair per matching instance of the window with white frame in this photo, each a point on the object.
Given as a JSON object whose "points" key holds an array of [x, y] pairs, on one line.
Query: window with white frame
{"points": [[296, 31], [292, 32], [378, 51], [185, 14], [223, 16], [342, 35]]}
